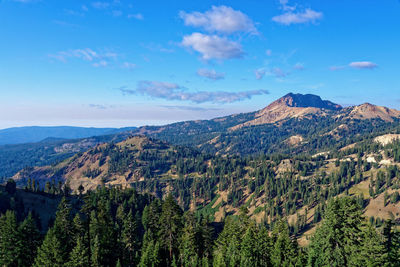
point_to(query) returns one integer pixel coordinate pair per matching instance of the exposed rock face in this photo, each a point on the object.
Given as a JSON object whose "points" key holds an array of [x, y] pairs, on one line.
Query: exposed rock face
{"points": [[291, 106], [369, 111], [304, 101], [387, 139]]}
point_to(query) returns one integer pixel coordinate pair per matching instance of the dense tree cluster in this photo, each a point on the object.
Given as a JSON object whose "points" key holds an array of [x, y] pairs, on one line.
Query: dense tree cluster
{"points": [[115, 227]]}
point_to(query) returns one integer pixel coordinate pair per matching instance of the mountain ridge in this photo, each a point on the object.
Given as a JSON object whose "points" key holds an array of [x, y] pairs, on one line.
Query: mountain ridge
{"points": [[32, 134]]}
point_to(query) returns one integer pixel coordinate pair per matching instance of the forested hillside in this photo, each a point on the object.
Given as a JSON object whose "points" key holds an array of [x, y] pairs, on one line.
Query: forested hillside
{"points": [[270, 187], [49, 151], [115, 227], [269, 194]]}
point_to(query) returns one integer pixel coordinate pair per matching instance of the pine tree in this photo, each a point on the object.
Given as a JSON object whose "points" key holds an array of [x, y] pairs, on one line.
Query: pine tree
{"points": [[188, 248], [284, 250], [29, 240], [150, 254], [9, 249], [170, 226], [95, 258], [129, 238], [50, 253], [371, 251], [248, 252], [227, 245], [79, 256], [63, 228], [263, 247], [338, 238]]}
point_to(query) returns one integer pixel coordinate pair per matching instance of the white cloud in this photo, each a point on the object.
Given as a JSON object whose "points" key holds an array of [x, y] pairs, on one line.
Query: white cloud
{"points": [[100, 5], [128, 65], [306, 16], [101, 106], [99, 59], [363, 65], [222, 19], [299, 66], [268, 52], [279, 73], [335, 68], [260, 73], [213, 46], [173, 91], [210, 74], [285, 5], [101, 63], [137, 16]]}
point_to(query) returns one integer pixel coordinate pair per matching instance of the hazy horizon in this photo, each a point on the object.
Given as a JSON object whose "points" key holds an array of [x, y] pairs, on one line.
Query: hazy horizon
{"points": [[117, 63]]}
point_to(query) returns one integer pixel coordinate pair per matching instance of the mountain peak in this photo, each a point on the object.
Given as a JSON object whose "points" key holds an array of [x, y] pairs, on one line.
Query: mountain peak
{"points": [[291, 106], [370, 111], [305, 101]]}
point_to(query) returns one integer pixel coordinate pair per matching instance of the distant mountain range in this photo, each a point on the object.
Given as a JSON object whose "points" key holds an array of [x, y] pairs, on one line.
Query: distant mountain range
{"points": [[294, 123], [31, 134], [286, 160]]}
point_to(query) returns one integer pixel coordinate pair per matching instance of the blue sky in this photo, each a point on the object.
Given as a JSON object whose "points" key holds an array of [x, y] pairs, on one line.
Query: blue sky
{"points": [[128, 63]]}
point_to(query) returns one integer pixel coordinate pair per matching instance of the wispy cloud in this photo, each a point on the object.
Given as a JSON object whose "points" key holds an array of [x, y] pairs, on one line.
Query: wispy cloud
{"points": [[301, 17], [299, 66], [98, 59], [213, 46], [285, 6], [173, 91], [222, 19], [190, 108], [363, 65], [210, 74], [260, 73], [335, 68], [100, 5], [129, 65], [101, 106], [158, 48], [278, 72], [101, 63], [137, 16]]}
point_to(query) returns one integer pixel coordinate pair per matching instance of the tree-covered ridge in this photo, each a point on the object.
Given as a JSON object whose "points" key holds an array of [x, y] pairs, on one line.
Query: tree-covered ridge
{"points": [[317, 134], [115, 227], [271, 187], [13, 158], [132, 160], [297, 133]]}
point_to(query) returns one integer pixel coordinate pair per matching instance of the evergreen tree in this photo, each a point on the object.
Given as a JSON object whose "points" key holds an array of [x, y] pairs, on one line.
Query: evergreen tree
{"points": [[248, 248], [284, 250], [29, 241], [150, 255], [50, 253], [63, 228], [129, 238], [188, 248], [9, 249], [79, 256], [338, 238], [170, 226]]}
